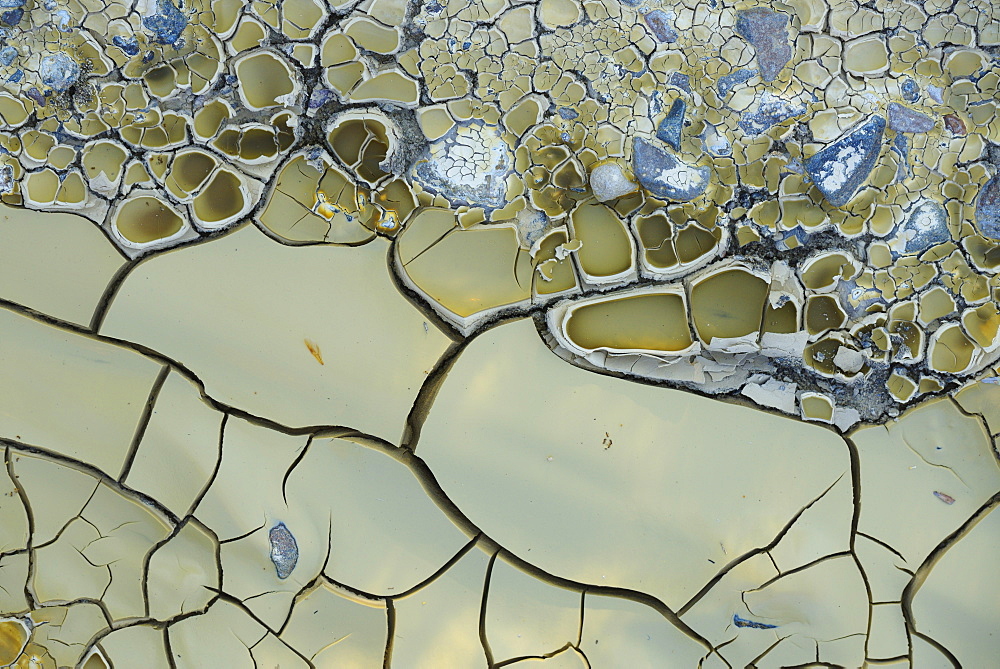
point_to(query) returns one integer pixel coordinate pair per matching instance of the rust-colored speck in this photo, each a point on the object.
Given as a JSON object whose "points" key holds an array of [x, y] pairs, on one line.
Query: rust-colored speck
{"points": [[954, 124], [314, 349]]}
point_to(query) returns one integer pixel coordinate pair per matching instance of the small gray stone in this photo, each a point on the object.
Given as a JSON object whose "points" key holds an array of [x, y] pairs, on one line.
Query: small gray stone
{"points": [[672, 125], [58, 71], [988, 208], [926, 226], [903, 119], [732, 80], [770, 112], [663, 175], [765, 30], [840, 168], [681, 81], [660, 24], [284, 550], [608, 181]]}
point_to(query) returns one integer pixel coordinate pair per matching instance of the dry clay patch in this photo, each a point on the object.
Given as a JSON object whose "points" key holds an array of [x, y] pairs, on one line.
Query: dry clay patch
{"points": [[232, 549], [831, 164], [892, 212]]}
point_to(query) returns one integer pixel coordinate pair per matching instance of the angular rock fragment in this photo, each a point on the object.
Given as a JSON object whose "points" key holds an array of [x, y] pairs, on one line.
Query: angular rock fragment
{"points": [[167, 23], [765, 29], [988, 208], [661, 25], [730, 81], [681, 81], [770, 112], [903, 119], [840, 168], [926, 226], [663, 175], [672, 125]]}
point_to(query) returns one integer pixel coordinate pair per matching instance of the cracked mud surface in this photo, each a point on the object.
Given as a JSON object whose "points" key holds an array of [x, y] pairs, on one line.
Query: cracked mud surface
{"points": [[420, 334]]}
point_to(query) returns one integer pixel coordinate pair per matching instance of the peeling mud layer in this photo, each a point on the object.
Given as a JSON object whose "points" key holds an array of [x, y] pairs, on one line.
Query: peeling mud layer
{"points": [[604, 333]]}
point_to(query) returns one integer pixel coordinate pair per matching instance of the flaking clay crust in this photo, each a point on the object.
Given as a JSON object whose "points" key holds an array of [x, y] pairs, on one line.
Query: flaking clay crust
{"points": [[577, 333]]}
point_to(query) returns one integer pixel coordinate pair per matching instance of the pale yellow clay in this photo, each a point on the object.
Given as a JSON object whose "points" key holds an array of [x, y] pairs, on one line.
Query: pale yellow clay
{"points": [[525, 616], [96, 389], [143, 221], [58, 264], [597, 538], [265, 79], [312, 203], [333, 627], [608, 251], [366, 528], [866, 56], [15, 536], [128, 530], [438, 625], [389, 86], [959, 583], [470, 272], [400, 347], [435, 121], [182, 437], [627, 632], [139, 644], [654, 321], [951, 350], [934, 304], [823, 272], [887, 637], [831, 599], [222, 633], [100, 554], [982, 397], [371, 36], [935, 464], [13, 576], [182, 572], [63, 633], [716, 314]]}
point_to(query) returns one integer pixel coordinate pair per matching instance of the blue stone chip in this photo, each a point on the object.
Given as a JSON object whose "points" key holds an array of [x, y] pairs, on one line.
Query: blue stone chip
{"points": [[765, 29], [167, 23], [926, 226], [58, 71], [663, 175], [988, 208], [770, 112], [732, 80], [659, 24], [284, 550], [841, 168], [670, 128]]}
